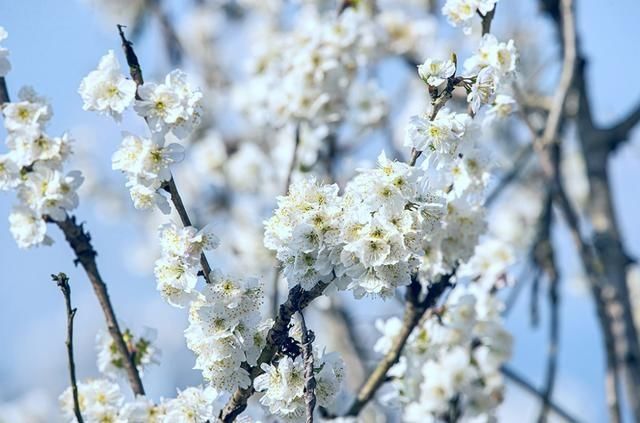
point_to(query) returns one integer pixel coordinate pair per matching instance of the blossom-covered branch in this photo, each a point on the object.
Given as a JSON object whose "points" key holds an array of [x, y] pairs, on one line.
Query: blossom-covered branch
{"points": [[47, 196]]}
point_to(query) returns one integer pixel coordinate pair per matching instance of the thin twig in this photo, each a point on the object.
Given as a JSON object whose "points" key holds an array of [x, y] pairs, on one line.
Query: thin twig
{"points": [[80, 242], [136, 74], [4, 92], [63, 283], [519, 164], [527, 386], [309, 377], [414, 310], [275, 294], [544, 256]]}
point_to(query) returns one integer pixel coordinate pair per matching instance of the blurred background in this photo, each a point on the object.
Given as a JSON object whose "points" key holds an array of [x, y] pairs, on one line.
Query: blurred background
{"points": [[55, 43]]}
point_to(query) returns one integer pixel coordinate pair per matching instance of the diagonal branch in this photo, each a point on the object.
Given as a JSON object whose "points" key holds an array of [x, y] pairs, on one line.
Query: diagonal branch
{"points": [[80, 242], [136, 74], [297, 299], [63, 282], [510, 374], [414, 310]]}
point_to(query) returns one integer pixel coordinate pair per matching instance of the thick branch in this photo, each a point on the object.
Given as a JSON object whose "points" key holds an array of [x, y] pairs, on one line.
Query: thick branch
{"points": [[63, 282], [80, 242], [487, 20], [298, 299]]}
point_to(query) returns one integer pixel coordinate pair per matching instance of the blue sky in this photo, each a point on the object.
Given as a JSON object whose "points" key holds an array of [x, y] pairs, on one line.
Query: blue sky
{"points": [[53, 45]]}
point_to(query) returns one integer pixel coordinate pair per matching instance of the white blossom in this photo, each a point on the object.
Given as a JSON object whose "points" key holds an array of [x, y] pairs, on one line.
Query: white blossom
{"points": [[105, 90]]}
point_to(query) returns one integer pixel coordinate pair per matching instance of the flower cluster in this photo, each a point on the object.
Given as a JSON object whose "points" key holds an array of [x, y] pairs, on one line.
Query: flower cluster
{"points": [[283, 383], [177, 269], [101, 400], [304, 232], [391, 221], [110, 361], [170, 107], [459, 351], [146, 162], [312, 83], [34, 168], [489, 69], [105, 90], [225, 330], [173, 106], [390, 213], [462, 12]]}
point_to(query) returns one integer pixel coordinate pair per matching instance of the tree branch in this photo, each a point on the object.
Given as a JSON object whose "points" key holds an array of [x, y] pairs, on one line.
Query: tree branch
{"points": [[527, 386], [4, 92], [297, 299], [63, 283], [80, 242], [309, 378], [136, 74], [544, 256], [487, 20], [414, 310]]}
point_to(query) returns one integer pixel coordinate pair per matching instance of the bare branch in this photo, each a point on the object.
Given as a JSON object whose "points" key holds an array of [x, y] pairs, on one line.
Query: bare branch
{"points": [[545, 259], [171, 41], [519, 164], [414, 310], [80, 242], [567, 75], [63, 282], [4, 92], [527, 386]]}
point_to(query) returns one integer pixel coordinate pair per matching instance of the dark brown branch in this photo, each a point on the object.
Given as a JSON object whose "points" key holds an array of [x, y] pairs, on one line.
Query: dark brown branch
{"points": [[620, 131], [63, 283], [132, 59], [80, 242], [414, 310], [136, 74], [309, 377], [297, 299], [527, 386], [4, 92], [487, 20]]}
